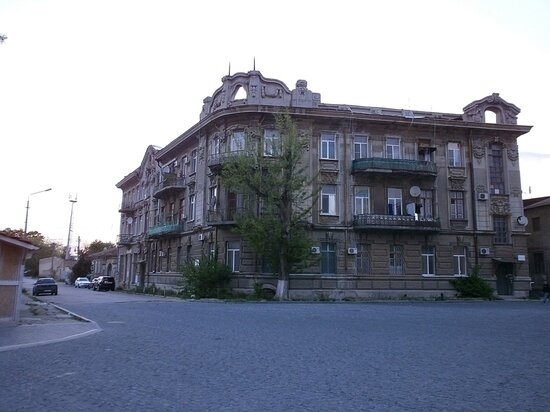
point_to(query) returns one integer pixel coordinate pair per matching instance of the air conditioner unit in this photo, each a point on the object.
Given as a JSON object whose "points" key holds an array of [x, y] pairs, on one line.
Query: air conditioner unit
{"points": [[201, 237], [482, 196], [315, 250], [352, 250], [484, 251]]}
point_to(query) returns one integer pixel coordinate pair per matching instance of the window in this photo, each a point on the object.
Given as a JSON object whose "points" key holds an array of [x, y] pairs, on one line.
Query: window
{"points": [[362, 201], [328, 258], [191, 214], [427, 204], [396, 260], [459, 260], [362, 261], [236, 142], [213, 202], [193, 165], [168, 259], [328, 200], [538, 263], [536, 224], [395, 202], [328, 146], [360, 147], [214, 149], [428, 260], [179, 261], [272, 141], [453, 153], [501, 229], [233, 256], [457, 205], [496, 169], [392, 148]]}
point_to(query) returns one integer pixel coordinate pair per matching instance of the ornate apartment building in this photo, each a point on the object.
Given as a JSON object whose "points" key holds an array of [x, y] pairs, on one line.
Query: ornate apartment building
{"points": [[408, 200]]}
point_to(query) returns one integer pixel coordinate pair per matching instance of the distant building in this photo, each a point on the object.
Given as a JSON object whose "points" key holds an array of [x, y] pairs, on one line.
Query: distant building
{"points": [[409, 200], [58, 268], [104, 263], [13, 253], [537, 211]]}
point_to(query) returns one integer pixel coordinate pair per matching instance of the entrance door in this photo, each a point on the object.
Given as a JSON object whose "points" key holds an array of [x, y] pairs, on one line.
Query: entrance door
{"points": [[505, 278]]}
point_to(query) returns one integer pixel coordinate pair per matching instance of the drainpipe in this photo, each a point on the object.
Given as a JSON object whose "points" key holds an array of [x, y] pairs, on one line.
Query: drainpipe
{"points": [[473, 197]]}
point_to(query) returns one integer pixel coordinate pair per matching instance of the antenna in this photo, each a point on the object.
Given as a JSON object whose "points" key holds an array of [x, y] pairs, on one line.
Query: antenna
{"points": [[254, 66], [229, 69], [68, 248]]}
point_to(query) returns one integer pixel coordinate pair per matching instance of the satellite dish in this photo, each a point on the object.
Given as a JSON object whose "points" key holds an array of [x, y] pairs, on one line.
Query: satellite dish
{"points": [[522, 220], [415, 191], [129, 220]]}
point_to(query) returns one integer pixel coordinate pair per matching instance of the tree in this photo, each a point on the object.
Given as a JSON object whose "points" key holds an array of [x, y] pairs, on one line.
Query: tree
{"points": [[277, 188], [83, 265]]}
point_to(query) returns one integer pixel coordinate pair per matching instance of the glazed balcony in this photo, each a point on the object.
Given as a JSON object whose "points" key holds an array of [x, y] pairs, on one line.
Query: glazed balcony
{"points": [[392, 222], [399, 166], [166, 230], [170, 186]]}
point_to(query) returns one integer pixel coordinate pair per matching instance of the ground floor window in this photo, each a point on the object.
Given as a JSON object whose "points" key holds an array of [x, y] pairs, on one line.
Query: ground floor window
{"points": [[428, 260], [328, 257], [233, 256], [362, 261], [459, 259], [396, 260]]}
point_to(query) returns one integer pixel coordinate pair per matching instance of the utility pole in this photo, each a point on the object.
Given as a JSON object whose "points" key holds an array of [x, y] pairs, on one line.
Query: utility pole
{"points": [[68, 248]]}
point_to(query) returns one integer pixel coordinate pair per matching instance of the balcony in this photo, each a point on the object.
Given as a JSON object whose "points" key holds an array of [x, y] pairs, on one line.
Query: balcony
{"points": [[126, 239], [223, 216], [127, 207], [216, 161], [170, 185], [399, 166], [392, 222], [166, 230]]}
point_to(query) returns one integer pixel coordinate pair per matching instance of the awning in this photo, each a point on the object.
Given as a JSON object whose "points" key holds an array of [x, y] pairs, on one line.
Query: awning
{"points": [[504, 260]]}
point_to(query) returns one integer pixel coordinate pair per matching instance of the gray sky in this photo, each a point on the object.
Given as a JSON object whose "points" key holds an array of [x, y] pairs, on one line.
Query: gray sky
{"points": [[87, 85]]}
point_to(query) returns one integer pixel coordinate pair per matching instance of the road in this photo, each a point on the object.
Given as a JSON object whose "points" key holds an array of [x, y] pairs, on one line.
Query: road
{"points": [[172, 355]]}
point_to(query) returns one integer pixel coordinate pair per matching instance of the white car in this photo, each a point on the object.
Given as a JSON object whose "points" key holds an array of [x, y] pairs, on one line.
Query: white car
{"points": [[82, 282]]}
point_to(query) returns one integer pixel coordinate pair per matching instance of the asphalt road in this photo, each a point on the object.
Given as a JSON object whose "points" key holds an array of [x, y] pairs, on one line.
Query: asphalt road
{"points": [[159, 354]]}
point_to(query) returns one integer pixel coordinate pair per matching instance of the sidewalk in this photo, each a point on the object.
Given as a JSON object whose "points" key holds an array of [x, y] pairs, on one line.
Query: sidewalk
{"points": [[41, 323]]}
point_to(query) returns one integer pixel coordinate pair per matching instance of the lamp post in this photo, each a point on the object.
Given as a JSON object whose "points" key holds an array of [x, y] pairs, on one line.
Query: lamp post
{"points": [[28, 199]]}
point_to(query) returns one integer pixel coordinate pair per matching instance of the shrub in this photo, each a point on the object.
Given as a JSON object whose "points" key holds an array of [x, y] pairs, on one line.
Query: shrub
{"points": [[207, 279], [473, 286]]}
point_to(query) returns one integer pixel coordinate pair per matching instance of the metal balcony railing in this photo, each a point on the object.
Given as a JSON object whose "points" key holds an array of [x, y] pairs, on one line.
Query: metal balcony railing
{"points": [[223, 216], [170, 184], [368, 221], [166, 229], [125, 239], [382, 165]]}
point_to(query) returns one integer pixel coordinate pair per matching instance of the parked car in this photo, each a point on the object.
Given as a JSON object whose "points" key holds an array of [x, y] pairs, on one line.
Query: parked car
{"points": [[44, 285], [82, 282], [104, 283]]}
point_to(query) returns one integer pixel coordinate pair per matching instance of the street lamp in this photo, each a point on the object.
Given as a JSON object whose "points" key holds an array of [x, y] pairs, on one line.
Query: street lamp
{"points": [[28, 198]]}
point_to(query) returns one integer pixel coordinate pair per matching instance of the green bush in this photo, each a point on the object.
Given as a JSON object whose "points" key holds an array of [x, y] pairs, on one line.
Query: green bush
{"points": [[207, 279], [473, 286]]}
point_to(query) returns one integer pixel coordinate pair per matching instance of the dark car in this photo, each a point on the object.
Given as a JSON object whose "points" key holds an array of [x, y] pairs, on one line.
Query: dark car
{"points": [[104, 283], [44, 285]]}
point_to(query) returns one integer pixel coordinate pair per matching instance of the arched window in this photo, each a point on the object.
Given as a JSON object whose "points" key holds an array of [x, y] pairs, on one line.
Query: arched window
{"points": [[490, 117], [240, 93]]}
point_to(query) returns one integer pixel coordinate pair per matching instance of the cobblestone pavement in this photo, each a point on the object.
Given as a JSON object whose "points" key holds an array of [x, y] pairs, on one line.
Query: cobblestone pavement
{"points": [[197, 356]]}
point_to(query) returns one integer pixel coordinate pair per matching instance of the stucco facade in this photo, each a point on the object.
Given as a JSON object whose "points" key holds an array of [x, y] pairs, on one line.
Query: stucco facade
{"points": [[408, 199]]}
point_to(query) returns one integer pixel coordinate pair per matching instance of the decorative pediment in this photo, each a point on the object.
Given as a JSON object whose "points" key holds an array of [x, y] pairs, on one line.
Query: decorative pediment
{"points": [[506, 113], [255, 89]]}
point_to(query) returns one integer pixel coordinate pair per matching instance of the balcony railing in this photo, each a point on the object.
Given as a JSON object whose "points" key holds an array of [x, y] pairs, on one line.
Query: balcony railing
{"points": [[126, 239], [169, 185], [382, 165], [215, 161], [396, 222], [127, 207], [223, 216]]}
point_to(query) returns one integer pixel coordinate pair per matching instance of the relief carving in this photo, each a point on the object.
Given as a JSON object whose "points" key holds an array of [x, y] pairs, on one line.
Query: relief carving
{"points": [[513, 153], [500, 207], [456, 184], [479, 150]]}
